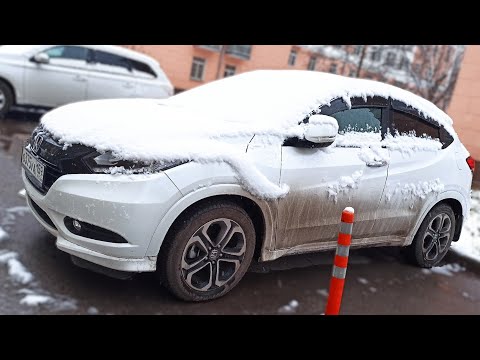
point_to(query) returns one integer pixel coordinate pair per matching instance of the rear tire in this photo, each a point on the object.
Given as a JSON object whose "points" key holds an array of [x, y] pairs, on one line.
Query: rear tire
{"points": [[433, 238], [207, 251], [6, 99]]}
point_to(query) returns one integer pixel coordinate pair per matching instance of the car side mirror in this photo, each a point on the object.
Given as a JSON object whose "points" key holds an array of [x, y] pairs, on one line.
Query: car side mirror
{"points": [[321, 129], [41, 58]]}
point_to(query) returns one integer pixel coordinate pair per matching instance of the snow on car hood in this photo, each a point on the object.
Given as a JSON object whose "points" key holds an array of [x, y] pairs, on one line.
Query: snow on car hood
{"points": [[207, 123]]}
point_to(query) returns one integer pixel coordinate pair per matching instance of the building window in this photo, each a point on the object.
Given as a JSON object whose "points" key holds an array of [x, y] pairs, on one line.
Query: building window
{"points": [[198, 68], [358, 49], [229, 70], [391, 58], [375, 55], [333, 68], [352, 72], [292, 57], [312, 63]]}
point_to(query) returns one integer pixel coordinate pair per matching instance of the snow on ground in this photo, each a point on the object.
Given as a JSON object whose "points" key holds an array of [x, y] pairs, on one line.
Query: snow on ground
{"points": [[35, 300], [3, 234], [362, 281], [323, 292], [16, 270], [446, 270], [469, 243], [213, 125], [290, 308]]}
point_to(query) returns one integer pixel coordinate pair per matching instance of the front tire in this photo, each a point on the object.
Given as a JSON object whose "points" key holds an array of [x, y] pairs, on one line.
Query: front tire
{"points": [[6, 99], [433, 238], [207, 251]]}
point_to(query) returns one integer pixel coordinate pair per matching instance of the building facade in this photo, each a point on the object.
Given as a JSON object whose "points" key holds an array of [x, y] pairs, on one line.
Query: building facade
{"points": [[464, 108]]}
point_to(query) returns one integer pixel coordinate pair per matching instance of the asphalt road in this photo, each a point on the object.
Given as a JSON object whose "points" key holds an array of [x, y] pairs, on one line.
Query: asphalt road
{"points": [[378, 279]]}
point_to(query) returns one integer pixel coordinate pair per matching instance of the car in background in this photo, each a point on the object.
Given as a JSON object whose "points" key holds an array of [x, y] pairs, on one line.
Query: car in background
{"points": [[53, 75]]}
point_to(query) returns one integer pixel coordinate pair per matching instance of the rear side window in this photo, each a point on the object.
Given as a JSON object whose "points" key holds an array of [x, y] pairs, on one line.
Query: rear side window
{"points": [[142, 68], [407, 124], [105, 58], [67, 52], [367, 119]]}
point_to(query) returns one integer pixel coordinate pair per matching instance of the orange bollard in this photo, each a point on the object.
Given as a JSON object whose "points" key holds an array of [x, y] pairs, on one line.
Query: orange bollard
{"points": [[340, 263]]}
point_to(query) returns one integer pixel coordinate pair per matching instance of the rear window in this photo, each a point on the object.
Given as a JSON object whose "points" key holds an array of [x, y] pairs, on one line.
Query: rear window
{"points": [[407, 124], [142, 68]]}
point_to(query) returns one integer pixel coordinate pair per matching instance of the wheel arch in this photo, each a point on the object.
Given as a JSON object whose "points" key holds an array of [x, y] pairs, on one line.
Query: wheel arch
{"points": [[260, 211], [9, 84], [453, 198]]}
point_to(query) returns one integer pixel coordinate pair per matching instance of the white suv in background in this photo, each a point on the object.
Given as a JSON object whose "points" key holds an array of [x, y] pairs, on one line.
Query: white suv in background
{"points": [[54, 75]]}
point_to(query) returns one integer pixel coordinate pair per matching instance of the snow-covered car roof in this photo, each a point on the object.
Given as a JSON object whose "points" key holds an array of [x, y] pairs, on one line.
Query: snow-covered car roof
{"points": [[286, 96]]}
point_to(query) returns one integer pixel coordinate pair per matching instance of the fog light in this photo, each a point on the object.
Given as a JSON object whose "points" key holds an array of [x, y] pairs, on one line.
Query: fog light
{"points": [[76, 225]]}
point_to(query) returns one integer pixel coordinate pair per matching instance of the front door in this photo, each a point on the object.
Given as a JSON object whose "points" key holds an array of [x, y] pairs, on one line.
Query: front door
{"points": [[323, 181], [110, 77], [63, 80]]}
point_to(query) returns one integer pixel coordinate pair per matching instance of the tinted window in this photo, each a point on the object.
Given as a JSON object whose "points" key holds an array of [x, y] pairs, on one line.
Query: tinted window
{"points": [[359, 120], [67, 52], [142, 67], [403, 123], [106, 58], [445, 138]]}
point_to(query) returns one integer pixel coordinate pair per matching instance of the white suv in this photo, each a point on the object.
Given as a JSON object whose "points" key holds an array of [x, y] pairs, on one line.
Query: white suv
{"points": [[53, 75], [259, 164]]}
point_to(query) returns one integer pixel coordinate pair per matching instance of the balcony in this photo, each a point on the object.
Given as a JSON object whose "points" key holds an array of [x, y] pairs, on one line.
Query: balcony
{"points": [[216, 48], [239, 51]]}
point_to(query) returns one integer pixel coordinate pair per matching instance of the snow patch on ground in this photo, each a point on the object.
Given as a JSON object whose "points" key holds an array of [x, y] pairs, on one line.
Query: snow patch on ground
{"points": [[344, 185], [3, 234], [362, 281], [290, 308], [92, 311], [446, 270], [16, 270], [323, 292], [469, 243], [35, 300]]}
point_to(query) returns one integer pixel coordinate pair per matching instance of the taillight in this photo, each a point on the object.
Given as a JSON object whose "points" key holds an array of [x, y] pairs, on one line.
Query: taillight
{"points": [[471, 163]]}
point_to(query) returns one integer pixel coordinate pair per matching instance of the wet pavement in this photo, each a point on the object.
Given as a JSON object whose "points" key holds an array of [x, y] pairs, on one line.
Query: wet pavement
{"points": [[378, 279]]}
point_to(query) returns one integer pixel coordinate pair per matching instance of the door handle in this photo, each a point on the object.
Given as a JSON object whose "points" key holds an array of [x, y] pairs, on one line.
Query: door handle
{"points": [[79, 78], [378, 163]]}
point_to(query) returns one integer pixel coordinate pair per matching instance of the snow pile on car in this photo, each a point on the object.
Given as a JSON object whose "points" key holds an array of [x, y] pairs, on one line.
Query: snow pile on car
{"points": [[207, 124]]}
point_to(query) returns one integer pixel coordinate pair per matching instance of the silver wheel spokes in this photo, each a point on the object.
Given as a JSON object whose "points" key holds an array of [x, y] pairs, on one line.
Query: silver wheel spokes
{"points": [[213, 254], [436, 237], [2, 99]]}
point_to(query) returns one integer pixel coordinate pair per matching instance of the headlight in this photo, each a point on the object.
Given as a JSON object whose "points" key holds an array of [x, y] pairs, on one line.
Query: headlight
{"points": [[107, 163]]}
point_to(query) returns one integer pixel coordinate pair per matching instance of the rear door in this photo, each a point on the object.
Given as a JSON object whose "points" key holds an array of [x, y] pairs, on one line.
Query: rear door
{"points": [[61, 81], [323, 181], [110, 76], [422, 164]]}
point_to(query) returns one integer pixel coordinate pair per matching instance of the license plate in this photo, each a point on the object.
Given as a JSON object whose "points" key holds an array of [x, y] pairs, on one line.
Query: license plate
{"points": [[32, 165]]}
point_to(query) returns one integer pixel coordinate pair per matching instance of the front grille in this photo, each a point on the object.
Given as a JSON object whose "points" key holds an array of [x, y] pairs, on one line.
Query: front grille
{"points": [[42, 213], [58, 159]]}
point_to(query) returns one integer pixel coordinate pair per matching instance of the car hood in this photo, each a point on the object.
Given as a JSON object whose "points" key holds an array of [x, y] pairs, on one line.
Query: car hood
{"points": [[143, 129]]}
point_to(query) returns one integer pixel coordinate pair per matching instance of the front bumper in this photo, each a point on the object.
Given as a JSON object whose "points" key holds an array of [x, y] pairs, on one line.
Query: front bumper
{"points": [[131, 206]]}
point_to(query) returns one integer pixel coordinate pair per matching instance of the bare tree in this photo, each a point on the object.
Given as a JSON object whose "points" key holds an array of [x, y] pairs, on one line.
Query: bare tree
{"points": [[434, 72]]}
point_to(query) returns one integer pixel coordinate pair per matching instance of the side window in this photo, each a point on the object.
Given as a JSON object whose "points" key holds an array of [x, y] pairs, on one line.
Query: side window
{"points": [[365, 119], [406, 124], [105, 58], [67, 52], [143, 70]]}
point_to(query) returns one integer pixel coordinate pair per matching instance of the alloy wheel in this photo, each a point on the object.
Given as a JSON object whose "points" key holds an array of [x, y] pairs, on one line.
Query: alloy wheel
{"points": [[436, 237], [213, 254]]}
